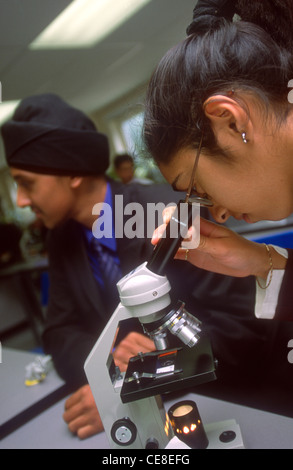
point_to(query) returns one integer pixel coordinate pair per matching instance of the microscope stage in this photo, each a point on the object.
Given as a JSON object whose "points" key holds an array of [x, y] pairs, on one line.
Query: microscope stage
{"points": [[167, 371]]}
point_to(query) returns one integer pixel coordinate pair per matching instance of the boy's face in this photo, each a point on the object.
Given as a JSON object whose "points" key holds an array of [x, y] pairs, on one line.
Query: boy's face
{"points": [[125, 172], [50, 197]]}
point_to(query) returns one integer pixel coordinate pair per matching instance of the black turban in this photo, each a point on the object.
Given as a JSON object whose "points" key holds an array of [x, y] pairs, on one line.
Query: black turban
{"points": [[46, 135]]}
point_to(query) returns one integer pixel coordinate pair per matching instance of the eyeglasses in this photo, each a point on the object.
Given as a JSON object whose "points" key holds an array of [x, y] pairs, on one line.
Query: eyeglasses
{"points": [[192, 195]]}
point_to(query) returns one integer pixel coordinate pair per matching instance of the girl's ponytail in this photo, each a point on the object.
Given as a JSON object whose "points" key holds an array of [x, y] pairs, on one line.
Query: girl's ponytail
{"points": [[274, 16]]}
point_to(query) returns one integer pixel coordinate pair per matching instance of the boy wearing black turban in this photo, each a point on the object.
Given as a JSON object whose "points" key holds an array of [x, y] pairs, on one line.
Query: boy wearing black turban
{"points": [[59, 159]]}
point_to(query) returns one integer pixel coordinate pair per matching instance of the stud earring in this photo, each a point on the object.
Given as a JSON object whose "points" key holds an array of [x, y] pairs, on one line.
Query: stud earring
{"points": [[245, 141]]}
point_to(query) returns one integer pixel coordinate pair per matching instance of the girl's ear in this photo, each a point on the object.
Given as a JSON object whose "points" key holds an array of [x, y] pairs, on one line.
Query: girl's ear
{"points": [[226, 115]]}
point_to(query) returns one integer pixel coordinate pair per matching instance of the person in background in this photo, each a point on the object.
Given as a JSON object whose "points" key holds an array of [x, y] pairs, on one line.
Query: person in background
{"points": [[125, 170]]}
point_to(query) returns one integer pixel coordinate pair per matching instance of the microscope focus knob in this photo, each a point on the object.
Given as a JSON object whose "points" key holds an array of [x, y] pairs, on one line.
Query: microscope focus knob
{"points": [[123, 432]]}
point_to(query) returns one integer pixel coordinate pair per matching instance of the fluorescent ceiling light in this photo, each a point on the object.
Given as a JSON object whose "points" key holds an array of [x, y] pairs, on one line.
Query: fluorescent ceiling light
{"points": [[7, 109], [85, 22]]}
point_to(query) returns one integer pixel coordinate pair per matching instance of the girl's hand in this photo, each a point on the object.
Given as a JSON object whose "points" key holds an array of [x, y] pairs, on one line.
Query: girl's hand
{"points": [[223, 251]]}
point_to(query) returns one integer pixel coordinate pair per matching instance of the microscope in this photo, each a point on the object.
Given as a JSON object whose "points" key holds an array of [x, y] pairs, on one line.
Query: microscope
{"points": [[130, 403]]}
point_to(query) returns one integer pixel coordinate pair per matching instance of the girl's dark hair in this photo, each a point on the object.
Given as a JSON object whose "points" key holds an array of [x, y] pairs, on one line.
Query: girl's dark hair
{"points": [[252, 54]]}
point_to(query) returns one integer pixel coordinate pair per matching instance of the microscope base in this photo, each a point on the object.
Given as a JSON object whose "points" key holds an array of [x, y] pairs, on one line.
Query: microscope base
{"points": [[224, 435], [221, 435]]}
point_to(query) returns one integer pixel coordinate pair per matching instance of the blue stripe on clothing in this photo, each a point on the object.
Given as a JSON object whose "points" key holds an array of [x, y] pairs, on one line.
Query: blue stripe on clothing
{"points": [[109, 243]]}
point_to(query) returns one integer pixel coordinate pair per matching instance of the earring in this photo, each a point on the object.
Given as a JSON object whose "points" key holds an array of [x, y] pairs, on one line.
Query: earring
{"points": [[245, 141]]}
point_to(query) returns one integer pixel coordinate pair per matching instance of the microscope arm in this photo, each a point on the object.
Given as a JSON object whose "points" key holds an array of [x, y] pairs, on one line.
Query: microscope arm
{"points": [[132, 424]]}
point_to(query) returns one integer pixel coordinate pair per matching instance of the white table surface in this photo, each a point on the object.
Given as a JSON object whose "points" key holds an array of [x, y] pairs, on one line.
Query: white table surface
{"points": [[260, 429]]}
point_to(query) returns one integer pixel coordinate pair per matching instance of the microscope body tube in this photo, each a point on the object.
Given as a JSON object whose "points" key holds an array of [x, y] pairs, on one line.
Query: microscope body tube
{"points": [[170, 242], [129, 425]]}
